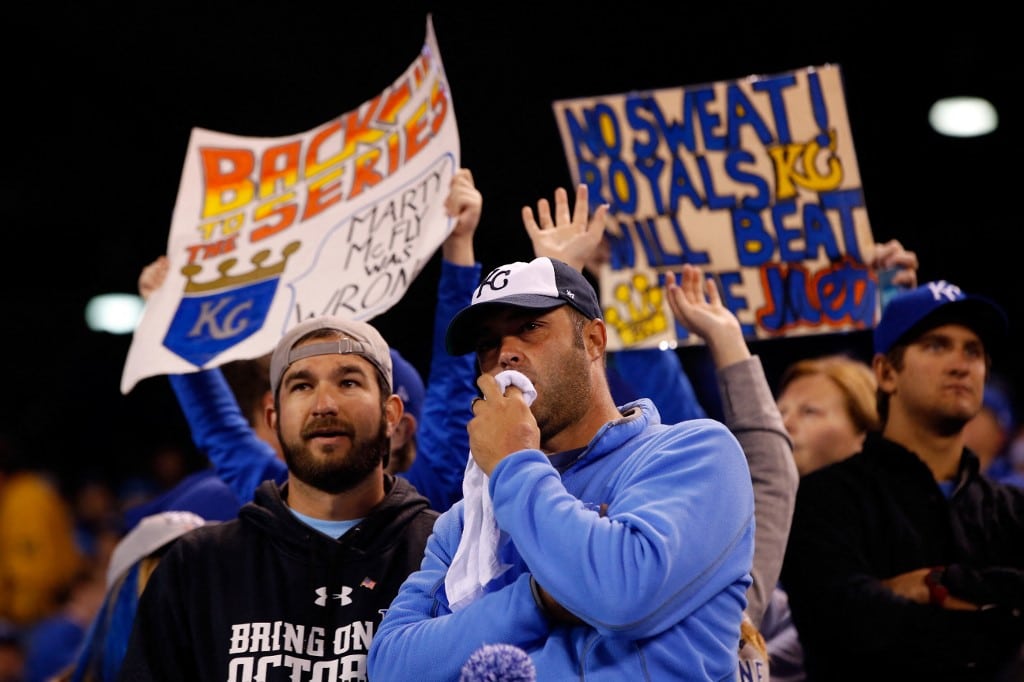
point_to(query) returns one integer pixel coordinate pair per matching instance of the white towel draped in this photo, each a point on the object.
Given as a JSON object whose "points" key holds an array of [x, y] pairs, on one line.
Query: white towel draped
{"points": [[476, 560]]}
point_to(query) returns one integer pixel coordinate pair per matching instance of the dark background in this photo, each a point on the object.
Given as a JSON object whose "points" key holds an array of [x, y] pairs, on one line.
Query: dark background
{"points": [[99, 102]]}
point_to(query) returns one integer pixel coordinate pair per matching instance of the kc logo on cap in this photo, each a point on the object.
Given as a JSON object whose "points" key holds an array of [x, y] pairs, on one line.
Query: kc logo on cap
{"points": [[944, 290], [495, 281], [540, 284], [911, 313]]}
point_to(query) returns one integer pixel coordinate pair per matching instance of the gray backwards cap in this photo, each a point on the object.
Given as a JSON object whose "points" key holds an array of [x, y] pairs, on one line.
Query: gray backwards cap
{"points": [[358, 338], [542, 284]]}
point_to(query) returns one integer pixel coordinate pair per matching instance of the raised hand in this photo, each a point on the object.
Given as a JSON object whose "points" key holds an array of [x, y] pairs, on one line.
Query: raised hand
{"points": [[153, 276], [891, 254], [464, 203], [568, 237], [705, 315]]}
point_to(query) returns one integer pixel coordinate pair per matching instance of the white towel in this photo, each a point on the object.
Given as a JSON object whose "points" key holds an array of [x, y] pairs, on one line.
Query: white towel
{"points": [[476, 560]]}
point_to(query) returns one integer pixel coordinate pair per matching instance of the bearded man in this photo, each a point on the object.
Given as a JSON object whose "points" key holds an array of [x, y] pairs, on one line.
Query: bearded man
{"points": [[296, 586]]}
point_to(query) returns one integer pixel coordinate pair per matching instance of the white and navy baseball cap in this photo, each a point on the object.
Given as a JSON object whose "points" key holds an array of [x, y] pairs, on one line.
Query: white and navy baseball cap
{"points": [[542, 284], [912, 313]]}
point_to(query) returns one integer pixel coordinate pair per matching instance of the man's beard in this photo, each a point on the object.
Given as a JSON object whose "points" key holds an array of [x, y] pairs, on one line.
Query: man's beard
{"points": [[335, 474], [567, 394]]}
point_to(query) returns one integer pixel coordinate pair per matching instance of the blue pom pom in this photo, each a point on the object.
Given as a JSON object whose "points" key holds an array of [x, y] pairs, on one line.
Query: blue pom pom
{"points": [[498, 663]]}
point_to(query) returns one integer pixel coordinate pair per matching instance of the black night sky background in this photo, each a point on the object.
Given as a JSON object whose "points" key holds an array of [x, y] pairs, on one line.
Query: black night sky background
{"points": [[100, 100]]}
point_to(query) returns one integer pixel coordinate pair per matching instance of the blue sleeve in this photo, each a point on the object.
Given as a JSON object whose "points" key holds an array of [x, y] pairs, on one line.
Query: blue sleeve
{"points": [[656, 374], [419, 632], [221, 432], [679, 529], [442, 442]]}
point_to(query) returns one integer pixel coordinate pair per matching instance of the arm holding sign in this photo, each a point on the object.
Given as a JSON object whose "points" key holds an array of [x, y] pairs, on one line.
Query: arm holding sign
{"points": [[895, 269], [442, 440], [891, 255]]}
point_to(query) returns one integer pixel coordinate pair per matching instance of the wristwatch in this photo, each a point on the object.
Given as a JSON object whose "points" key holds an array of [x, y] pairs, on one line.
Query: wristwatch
{"points": [[937, 592]]}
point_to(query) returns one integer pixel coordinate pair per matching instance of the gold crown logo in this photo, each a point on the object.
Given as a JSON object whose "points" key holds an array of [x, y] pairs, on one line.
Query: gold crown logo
{"points": [[226, 281], [638, 313]]}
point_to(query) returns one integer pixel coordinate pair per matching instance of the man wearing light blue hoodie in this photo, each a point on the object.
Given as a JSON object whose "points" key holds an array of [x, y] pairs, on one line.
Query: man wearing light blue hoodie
{"points": [[620, 548]]}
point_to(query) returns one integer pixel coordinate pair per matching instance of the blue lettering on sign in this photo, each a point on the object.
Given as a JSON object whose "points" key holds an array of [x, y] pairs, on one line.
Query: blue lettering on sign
{"points": [[844, 293]]}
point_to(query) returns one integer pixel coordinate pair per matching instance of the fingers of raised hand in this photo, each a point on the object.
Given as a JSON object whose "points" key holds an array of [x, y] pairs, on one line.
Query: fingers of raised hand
{"points": [[582, 206], [712, 289], [562, 207], [544, 214], [528, 222], [597, 221]]}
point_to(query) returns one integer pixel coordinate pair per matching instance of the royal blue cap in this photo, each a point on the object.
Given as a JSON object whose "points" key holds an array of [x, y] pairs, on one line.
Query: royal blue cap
{"points": [[408, 384], [912, 313]]}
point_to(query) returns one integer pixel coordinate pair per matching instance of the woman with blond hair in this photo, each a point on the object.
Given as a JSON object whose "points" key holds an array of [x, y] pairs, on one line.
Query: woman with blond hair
{"points": [[828, 405]]}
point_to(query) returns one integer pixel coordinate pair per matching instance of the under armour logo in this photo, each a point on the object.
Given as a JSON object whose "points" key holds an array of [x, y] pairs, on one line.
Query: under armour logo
{"points": [[496, 280], [943, 289], [343, 597]]}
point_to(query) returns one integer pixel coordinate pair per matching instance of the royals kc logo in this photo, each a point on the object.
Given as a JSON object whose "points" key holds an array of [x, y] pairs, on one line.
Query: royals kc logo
{"points": [[217, 314]]}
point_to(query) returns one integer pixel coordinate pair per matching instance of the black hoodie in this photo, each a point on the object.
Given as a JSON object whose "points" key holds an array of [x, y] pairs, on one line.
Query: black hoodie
{"points": [[266, 597]]}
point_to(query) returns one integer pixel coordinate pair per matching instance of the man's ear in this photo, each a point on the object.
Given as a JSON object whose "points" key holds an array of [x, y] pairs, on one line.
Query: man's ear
{"points": [[885, 373], [393, 411], [266, 404], [270, 414], [595, 338], [404, 430]]}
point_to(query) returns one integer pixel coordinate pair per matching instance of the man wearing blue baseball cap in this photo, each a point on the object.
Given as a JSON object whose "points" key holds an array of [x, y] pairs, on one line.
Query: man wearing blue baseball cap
{"points": [[904, 561]]}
